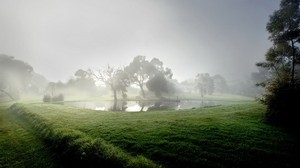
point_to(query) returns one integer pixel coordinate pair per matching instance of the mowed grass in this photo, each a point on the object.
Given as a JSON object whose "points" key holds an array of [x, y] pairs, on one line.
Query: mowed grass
{"points": [[222, 136], [19, 147]]}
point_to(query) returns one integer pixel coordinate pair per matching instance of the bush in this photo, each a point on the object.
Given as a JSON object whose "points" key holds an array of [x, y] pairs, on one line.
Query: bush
{"points": [[59, 98], [282, 104], [47, 98]]}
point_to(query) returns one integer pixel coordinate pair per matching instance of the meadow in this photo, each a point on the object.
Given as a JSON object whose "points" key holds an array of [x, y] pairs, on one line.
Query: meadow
{"points": [[221, 136]]}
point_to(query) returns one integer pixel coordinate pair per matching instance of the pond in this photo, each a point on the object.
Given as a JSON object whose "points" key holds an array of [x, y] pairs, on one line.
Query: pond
{"points": [[136, 106]]}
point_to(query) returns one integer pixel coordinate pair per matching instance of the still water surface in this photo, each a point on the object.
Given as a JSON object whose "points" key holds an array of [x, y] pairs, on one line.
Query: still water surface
{"points": [[135, 106]]}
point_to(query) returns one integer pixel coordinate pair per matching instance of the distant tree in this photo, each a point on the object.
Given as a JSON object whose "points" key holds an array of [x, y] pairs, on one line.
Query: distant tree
{"points": [[52, 88], [14, 76], [159, 79], [116, 79], [83, 81], [204, 84], [260, 79], [220, 84], [282, 61], [160, 84], [188, 85]]}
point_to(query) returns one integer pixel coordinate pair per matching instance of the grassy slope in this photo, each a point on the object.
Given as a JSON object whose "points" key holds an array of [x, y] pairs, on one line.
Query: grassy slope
{"points": [[19, 147], [224, 136]]}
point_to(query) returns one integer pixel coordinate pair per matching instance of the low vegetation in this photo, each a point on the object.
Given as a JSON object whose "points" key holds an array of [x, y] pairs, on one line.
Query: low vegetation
{"points": [[20, 147], [223, 136]]}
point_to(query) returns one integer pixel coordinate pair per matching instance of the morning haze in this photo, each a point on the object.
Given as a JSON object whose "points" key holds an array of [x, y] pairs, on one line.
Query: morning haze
{"points": [[149, 83], [58, 37]]}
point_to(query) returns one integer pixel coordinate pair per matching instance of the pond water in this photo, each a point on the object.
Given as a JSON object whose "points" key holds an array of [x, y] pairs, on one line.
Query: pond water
{"points": [[136, 106]]}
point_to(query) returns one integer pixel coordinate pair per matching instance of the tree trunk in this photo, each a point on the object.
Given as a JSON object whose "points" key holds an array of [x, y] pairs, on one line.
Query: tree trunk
{"points": [[142, 90], [293, 64], [10, 96], [115, 100]]}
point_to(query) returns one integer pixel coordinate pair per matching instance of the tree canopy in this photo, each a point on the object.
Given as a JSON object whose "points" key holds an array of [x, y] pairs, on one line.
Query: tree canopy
{"points": [[14, 76]]}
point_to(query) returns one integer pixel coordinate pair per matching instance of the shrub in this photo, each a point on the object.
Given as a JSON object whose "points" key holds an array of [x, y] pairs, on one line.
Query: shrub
{"points": [[47, 98], [282, 104], [59, 98]]}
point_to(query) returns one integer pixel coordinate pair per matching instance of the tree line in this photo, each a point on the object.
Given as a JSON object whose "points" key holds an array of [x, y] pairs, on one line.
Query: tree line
{"points": [[149, 76]]}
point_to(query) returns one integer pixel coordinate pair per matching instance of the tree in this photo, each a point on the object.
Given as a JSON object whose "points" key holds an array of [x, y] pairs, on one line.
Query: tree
{"points": [[160, 84], [204, 84], [116, 79], [138, 71], [14, 76], [282, 62], [220, 84], [159, 79], [83, 82], [150, 73]]}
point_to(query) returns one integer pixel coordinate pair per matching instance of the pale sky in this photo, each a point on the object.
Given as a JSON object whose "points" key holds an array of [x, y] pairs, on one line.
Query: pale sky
{"points": [[58, 37]]}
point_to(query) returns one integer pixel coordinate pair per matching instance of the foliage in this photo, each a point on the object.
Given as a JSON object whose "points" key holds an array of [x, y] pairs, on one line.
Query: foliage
{"points": [[56, 98], [83, 81], [14, 76], [152, 74], [220, 84], [160, 79], [115, 79], [159, 84], [283, 62], [138, 71], [283, 102], [204, 84]]}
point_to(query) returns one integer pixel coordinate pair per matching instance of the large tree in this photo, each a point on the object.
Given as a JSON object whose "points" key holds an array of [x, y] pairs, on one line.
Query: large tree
{"points": [[14, 76], [282, 63], [150, 73], [138, 71], [160, 79]]}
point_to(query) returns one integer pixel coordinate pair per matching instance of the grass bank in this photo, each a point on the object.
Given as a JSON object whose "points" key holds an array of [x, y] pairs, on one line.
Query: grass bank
{"points": [[20, 147], [223, 136], [75, 148]]}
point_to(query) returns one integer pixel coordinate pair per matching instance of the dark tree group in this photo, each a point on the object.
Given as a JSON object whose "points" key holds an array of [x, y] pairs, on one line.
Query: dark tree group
{"points": [[282, 62]]}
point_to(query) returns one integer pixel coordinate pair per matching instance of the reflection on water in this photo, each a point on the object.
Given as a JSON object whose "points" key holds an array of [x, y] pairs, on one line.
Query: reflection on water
{"points": [[136, 106]]}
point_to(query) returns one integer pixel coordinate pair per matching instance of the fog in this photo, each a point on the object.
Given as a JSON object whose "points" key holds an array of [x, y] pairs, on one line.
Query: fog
{"points": [[58, 37]]}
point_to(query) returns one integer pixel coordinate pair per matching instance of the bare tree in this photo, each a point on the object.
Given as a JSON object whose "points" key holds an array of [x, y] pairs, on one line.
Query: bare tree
{"points": [[115, 79]]}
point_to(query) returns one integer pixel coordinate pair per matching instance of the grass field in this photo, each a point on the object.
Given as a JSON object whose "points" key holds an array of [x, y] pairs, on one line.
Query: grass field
{"points": [[20, 147], [223, 136]]}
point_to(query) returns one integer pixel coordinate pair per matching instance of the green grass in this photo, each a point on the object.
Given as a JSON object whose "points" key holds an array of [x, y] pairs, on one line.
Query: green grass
{"points": [[222, 136], [19, 147]]}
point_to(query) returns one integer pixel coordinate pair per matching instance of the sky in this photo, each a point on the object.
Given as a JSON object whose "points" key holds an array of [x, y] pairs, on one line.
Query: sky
{"points": [[58, 37]]}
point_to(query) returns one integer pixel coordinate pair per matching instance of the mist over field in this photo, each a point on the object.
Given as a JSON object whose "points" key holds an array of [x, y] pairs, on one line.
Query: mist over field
{"points": [[59, 37]]}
